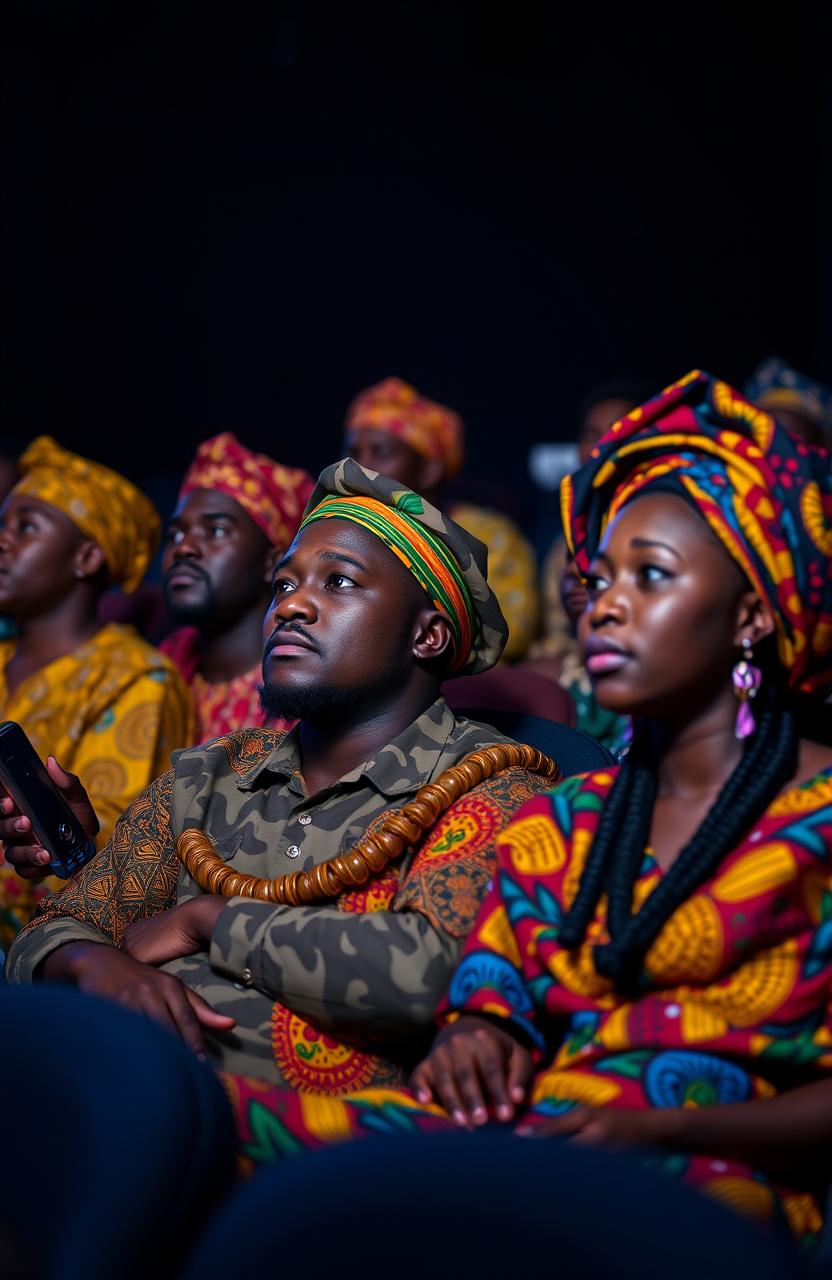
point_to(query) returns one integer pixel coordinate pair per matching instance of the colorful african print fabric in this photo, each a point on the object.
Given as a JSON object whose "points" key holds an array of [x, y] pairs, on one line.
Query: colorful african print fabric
{"points": [[394, 406], [112, 711], [273, 495], [105, 506], [222, 707], [734, 1000], [766, 494], [447, 561], [230, 705]]}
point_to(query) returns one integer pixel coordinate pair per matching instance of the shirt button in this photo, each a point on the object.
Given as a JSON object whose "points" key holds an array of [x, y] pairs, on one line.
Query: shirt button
{"points": [[293, 851], [305, 819], [246, 977]]}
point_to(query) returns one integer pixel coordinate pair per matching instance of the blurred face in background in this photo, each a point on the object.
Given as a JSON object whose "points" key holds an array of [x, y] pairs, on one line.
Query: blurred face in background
{"points": [[573, 593], [388, 454], [597, 423]]}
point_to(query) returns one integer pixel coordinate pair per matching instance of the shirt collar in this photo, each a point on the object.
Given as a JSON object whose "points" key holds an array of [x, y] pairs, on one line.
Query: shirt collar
{"points": [[282, 762], [400, 767]]}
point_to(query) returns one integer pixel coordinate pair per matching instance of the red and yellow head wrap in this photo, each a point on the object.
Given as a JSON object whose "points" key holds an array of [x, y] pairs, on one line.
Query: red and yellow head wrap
{"points": [[397, 408], [273, 495], [104, 505], [766, 494]]}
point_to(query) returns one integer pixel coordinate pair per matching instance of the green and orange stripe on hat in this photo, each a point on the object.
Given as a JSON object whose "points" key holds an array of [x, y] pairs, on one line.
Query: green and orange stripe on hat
{"points": [[448, 562]]}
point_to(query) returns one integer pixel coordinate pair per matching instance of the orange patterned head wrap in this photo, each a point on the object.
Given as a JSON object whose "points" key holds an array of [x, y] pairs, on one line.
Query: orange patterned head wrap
{"points": [[397, 408], [273, 495], [105, 506]]}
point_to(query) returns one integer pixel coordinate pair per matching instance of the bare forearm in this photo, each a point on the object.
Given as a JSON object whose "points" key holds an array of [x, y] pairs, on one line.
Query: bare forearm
{"points": [[63, 964], [786, 1136]]}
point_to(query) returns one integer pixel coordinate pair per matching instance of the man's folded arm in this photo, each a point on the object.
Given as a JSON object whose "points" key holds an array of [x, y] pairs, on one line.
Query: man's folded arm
{"points": [[337, 969]]}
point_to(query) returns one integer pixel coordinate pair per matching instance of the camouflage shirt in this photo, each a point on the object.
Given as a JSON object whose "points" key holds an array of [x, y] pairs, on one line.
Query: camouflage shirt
{"points": [[326, 997]]}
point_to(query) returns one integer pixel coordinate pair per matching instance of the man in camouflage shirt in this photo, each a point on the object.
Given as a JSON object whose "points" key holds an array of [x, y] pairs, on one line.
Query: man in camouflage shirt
{"points": [[377, 600]]}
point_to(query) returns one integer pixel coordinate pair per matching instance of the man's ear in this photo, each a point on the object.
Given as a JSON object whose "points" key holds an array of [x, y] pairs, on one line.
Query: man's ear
{"points": [[88, 560], [755, 620], [434, 637], [272, 556]]}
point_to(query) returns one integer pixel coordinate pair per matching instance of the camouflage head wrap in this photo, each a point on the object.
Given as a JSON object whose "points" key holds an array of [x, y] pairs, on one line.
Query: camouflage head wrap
{"points": [[447, 562]]}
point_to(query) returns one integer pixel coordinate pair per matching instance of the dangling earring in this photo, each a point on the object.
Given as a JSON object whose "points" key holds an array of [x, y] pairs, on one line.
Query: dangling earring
{"points": [[747, 679]]}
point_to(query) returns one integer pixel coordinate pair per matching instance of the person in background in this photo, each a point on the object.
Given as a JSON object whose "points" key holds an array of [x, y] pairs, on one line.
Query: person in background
{"points": [[9, 476], [96, 698], [236, 514], [564, 595], [603, 406], [393, 429], [801, 404], [610, 728]]}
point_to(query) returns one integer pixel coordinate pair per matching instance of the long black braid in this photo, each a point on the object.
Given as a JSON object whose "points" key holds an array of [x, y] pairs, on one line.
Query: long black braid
{"points": [[617, 851]]}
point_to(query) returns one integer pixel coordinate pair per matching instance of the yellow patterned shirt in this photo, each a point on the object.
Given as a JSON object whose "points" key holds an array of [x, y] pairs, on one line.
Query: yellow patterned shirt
{"points": [[512, 573], [111, 711]]}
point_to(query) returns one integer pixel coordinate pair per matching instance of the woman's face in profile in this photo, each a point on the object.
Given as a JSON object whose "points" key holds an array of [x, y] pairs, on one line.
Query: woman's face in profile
{"points": [[659, 635]]}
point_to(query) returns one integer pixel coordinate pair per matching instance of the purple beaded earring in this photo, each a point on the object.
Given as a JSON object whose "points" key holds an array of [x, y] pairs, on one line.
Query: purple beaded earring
{"points": [[747, 679]]}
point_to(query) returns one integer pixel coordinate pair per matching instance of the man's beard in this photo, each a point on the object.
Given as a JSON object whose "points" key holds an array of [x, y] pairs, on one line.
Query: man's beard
{"points": [[192, 612], [326, 703]]}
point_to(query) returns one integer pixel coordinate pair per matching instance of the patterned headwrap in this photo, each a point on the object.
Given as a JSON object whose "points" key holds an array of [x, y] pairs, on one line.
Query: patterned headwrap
{"points": [[766, 494], [105, 506], [397, 408], [274, 496], [447, 562], [776, 385]]}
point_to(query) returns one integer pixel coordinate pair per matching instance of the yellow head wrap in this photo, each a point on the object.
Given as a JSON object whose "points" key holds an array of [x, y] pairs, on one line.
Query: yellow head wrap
{"points": [[105, 506]]}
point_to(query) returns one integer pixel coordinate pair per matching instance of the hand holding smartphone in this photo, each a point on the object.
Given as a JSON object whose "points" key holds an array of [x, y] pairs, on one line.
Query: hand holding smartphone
{"points": [[54, 824]]}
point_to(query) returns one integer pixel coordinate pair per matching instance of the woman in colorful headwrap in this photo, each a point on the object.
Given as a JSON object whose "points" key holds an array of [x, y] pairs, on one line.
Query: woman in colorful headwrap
{"points": [[657, 936], [392, 429], [96, 698]]}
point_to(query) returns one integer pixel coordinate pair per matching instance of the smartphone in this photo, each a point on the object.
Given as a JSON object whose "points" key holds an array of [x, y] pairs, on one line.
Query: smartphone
{"points": [[24, 776]]}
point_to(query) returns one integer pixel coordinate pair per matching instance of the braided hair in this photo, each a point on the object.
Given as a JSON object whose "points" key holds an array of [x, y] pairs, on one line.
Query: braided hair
{"points": [[617, 852]]}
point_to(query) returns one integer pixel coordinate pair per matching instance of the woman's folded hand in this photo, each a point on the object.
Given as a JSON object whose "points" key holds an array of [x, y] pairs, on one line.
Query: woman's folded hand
{"points": [[474, 1069]]}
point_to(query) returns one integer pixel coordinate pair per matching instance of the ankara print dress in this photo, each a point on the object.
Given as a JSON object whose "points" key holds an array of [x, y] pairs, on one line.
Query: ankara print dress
{"points": [[733, 1005], [111, 711]]}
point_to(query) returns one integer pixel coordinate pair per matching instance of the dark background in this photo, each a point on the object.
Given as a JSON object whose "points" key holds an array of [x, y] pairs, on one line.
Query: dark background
{"points": [[233, 217]]}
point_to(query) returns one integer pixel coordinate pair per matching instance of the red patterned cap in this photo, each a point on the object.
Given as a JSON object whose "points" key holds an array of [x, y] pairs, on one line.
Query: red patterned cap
{"points": [[273, 495]]}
